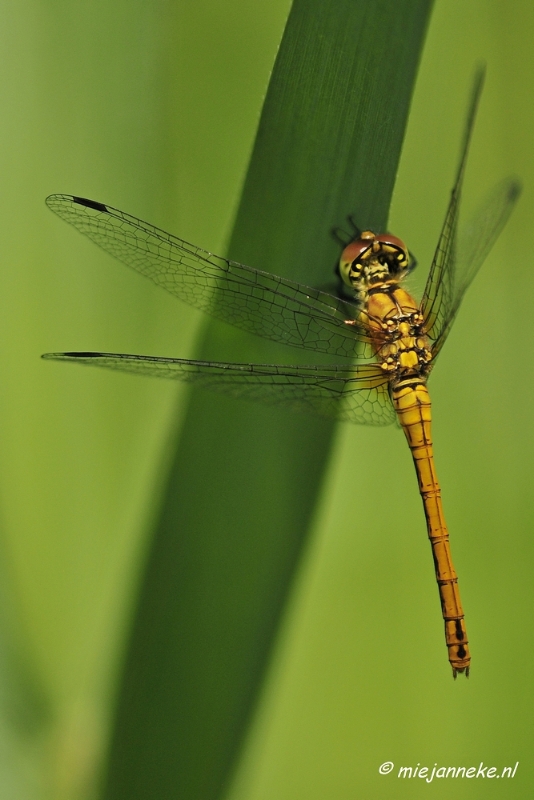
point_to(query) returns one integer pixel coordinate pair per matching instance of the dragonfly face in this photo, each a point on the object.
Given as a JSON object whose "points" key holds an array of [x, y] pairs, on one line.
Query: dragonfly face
{"points": [[373, 258]]}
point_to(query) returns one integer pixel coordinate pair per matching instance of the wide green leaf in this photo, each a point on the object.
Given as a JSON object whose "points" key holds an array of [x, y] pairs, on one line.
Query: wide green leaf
{"points": [[244, 481]]}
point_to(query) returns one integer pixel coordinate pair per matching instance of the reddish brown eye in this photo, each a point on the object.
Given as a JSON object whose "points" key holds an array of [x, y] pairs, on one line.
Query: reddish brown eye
{"points": [[355, 250], [394, 241]]}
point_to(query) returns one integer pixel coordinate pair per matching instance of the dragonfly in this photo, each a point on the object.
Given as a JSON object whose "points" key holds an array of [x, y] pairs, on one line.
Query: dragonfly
{"points": [[392, 340]]}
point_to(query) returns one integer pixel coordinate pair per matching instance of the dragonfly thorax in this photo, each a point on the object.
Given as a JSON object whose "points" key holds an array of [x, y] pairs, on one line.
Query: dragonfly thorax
{"points": [[373, 258], [402, 346], [397, 329]]}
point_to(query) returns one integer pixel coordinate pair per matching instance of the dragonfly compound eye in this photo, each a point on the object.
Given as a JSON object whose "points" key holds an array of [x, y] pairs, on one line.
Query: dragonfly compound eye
{"points": [[358, 258]]}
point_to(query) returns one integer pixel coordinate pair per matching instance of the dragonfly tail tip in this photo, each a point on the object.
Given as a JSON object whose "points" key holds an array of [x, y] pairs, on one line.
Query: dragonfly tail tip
{"points": [[456, 670]]}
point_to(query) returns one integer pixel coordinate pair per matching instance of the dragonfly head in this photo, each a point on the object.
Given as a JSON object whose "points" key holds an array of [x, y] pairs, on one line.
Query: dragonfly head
{"points": [[373, 258]]}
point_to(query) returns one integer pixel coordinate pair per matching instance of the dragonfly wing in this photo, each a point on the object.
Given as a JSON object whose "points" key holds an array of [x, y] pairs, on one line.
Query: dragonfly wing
{"points": [[437, 297], [255, 301], [474, 244], [354, 394]]}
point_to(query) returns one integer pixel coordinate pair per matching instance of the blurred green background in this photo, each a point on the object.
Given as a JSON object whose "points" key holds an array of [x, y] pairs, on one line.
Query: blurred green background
{"points": [[153, 108]]}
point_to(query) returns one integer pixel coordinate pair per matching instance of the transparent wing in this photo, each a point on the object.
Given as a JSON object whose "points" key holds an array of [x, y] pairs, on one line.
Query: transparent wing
{"points": [[474, 244], [353, 394], [255, 301], [438, 294]]}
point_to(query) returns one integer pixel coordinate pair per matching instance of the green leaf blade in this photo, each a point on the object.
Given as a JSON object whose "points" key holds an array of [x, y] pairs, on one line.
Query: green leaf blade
{"points": [[245, 479]]}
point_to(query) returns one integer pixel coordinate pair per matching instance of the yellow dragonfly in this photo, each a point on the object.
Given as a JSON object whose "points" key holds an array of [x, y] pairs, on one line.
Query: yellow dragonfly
{"points": [[392, 340]]}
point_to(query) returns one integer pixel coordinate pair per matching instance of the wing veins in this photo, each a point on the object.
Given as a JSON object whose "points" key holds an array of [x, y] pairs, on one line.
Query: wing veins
{"points": [[275, 307], [357, 394], [438, 289]]}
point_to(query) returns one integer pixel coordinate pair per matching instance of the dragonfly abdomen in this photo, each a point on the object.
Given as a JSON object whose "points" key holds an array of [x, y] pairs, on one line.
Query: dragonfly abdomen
{"points": [[412, 403]]}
